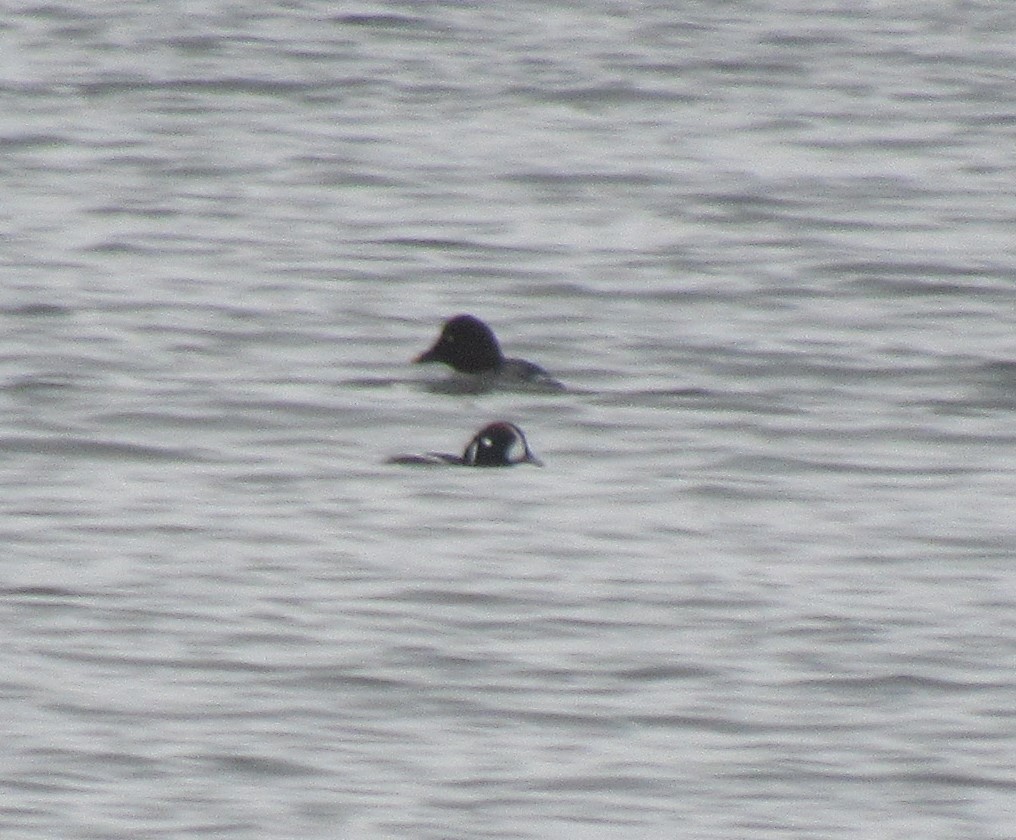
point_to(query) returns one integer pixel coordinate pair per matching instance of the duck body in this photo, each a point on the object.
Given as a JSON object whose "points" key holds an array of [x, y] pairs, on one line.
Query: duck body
{"points": [[498, 444], [470, 348]]}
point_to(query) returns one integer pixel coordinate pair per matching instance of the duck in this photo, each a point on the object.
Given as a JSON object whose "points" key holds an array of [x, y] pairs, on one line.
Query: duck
{"points": [[499, 444], [468, 346]]}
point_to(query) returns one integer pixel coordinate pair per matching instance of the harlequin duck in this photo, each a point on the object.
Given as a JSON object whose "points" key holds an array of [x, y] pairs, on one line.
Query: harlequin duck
{"points": [[469, 347], [495, 445]]}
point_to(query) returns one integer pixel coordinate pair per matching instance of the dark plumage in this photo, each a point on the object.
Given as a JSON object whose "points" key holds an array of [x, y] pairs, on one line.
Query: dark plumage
{"points": [[496, 445], [466, 344], [469, 346]]}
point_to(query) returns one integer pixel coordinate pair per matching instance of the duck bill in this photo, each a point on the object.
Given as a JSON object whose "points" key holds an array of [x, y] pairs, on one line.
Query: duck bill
{"points": [[426, 356], [530, 458]]}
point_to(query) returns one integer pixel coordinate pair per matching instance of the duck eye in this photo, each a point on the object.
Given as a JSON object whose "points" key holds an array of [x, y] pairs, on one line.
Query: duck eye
{"points": [[487, 442]]}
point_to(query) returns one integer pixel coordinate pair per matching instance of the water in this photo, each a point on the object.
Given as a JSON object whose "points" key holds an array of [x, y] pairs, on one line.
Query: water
{"points": [[764, 586]]}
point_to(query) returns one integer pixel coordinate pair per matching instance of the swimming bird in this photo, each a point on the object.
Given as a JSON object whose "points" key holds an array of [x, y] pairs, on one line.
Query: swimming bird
{"points": [[470, 348], [498, 444]]}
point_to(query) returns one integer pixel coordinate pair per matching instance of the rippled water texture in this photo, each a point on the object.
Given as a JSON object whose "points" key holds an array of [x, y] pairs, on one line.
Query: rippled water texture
{"points": [[763, 586]]}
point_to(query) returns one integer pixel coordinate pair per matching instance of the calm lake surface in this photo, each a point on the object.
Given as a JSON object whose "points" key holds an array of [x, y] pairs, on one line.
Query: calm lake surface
{"points": [[765, 585]]}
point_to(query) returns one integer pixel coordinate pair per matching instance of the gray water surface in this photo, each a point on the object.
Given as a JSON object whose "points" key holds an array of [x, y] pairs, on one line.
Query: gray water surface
{"points": [[765, 585]]}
